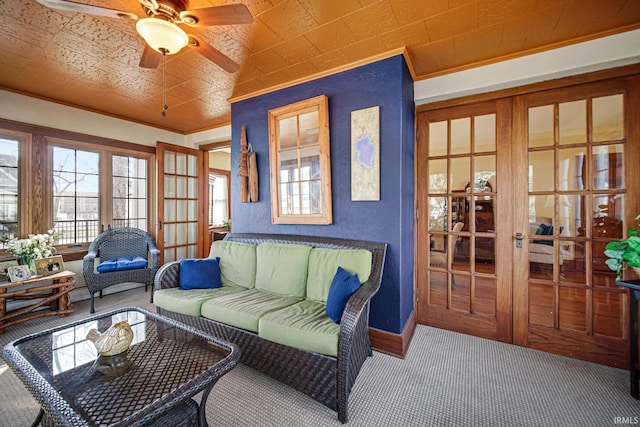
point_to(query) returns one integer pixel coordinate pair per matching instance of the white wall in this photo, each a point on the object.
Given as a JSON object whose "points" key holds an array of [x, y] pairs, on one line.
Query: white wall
{"points": [[25, 109], [607, 52]]}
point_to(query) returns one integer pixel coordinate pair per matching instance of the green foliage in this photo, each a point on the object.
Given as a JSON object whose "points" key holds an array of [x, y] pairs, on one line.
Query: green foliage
{"points": [[624, 253]]}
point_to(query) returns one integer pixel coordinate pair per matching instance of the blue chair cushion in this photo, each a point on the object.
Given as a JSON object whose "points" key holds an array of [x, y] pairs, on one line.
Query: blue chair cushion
{"points": [[122, 263], [200, 273], [343, 285]]}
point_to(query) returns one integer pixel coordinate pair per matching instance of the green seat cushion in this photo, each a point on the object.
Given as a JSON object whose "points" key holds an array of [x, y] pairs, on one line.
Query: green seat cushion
{"points": [[244, 309], [303, 325], [281, 268], [189, 301], [237, 262], [323, 264]]}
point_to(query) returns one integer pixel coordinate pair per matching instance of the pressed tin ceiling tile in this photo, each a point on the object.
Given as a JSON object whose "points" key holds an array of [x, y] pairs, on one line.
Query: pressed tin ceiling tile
{"points": [[330, 36], [327, 11], [453, 22], [92, 62], [372, 20], [288, 19], [296, 50]]}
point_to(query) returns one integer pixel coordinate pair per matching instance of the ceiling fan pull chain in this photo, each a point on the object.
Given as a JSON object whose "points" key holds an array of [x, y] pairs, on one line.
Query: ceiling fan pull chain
{"points": [[164, 83]]}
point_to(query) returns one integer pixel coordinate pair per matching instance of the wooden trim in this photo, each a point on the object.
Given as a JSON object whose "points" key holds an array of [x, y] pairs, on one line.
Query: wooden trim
{"points": [[394, 344], [563, 82], [76, 136], [215, 145], [321, 105]]}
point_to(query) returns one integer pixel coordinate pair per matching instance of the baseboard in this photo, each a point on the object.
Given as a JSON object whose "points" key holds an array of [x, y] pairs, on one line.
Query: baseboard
{"points": [[393, 344]]}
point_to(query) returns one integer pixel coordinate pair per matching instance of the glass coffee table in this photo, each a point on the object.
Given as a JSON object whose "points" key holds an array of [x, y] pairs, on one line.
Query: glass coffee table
{"points": [[151, 384]]}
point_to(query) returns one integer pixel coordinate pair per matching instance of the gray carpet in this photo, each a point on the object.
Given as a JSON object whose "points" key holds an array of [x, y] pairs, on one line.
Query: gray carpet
{"points": [[447, 379]]}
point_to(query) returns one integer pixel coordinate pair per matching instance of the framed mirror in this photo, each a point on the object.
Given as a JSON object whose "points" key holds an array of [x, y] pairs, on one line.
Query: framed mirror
{"points": [[300, 163]]}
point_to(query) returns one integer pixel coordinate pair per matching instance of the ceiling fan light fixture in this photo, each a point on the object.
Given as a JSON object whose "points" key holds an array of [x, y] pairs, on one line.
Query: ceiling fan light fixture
{"points": [[162, 35]]}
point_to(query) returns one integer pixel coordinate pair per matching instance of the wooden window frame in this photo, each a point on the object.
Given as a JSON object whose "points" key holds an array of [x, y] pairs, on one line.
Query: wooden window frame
{"points": [[36, 175], [321, 105]]}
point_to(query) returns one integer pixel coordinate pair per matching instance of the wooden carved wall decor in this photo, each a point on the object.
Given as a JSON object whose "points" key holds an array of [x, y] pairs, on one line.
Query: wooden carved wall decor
{"points": [[253, 175], [247, 170]]}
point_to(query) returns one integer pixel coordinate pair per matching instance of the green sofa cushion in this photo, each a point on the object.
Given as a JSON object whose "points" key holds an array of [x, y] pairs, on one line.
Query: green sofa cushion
{"points": [[237, 262], [323, 264], [282, 268], [244, 309], [189, 301], [303, 325]]}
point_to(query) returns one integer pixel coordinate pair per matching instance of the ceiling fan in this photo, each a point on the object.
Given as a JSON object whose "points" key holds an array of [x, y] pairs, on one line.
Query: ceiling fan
{"points": [[161, 28]]}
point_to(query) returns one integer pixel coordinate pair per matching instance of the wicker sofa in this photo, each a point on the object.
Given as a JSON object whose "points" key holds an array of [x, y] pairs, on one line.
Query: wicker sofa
{"points": [[325, 377]]}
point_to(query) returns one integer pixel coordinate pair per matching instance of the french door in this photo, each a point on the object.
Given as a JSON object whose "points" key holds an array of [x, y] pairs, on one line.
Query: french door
{"points": [[182, 202], [464, 195], [527, 265], [574, 150]]}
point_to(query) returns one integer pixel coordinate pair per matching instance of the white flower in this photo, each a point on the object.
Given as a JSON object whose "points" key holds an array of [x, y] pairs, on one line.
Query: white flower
{"points": [[35, 247]]}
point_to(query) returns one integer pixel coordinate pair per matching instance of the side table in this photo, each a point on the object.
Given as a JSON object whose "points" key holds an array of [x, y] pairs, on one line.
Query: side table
{"points": [[52, 291], [634, 368]]}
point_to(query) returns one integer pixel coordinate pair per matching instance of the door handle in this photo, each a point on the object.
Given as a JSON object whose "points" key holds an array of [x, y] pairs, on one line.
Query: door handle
{"points": [[519, 238]]}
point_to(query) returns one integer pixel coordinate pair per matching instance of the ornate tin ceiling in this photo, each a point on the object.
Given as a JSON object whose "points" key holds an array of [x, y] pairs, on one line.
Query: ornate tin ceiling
{"points": [[92, 62]]}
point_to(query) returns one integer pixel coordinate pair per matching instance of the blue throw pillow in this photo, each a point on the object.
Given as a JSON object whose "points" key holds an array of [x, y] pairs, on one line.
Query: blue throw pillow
{"points": [[546, 230], [200, 273], [342, 287]]}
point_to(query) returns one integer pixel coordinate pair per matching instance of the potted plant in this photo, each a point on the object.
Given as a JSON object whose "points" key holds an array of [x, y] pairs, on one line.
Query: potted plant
{"points": [[624, 253]]}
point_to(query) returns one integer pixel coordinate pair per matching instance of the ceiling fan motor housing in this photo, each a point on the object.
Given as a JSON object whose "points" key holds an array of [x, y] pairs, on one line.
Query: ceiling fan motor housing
{"points": [[167, 9]]}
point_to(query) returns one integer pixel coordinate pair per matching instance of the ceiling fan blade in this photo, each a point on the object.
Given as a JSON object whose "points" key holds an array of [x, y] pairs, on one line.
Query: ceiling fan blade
{"points": [[150, 58], [86, 8], [213, 54], [217, 15]]}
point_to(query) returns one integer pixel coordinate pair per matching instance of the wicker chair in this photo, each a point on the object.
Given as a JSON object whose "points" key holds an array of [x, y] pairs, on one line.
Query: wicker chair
{"points": [[115, 243]]}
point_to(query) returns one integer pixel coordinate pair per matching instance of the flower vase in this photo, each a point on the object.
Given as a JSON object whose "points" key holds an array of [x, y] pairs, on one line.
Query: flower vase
{"points": [[29, 262]]}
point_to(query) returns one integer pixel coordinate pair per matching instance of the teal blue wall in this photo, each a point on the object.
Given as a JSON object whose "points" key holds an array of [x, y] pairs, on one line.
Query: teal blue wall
{"points": [[386, 84]]}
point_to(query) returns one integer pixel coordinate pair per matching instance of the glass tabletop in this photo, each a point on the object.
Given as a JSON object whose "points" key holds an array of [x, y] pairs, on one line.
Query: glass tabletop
{"points": [[166, 364]]}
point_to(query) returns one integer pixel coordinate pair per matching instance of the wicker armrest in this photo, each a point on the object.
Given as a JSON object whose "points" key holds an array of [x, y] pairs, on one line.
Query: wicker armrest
{"points": [[155, 255], [168, 276]]}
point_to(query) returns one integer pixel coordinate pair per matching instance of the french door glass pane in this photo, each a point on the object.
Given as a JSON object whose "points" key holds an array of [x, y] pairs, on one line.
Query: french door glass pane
{"points": [[607, 118], [572, 122], [607, 167], [541, 126], [460, 173], [540, 175], [181, 164], [485, 132], [438, 176], [438, 139], [461, 136], [437, 213], [169, 162], [571, 168]]}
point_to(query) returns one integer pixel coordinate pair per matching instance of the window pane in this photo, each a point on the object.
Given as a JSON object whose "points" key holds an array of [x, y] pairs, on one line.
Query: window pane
{"points": [[76, 195], [9, 150], [218, 199], [129, 208]]}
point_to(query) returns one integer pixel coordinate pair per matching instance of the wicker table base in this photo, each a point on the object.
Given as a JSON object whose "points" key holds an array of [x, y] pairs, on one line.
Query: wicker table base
{"points": [[150, 385]]}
